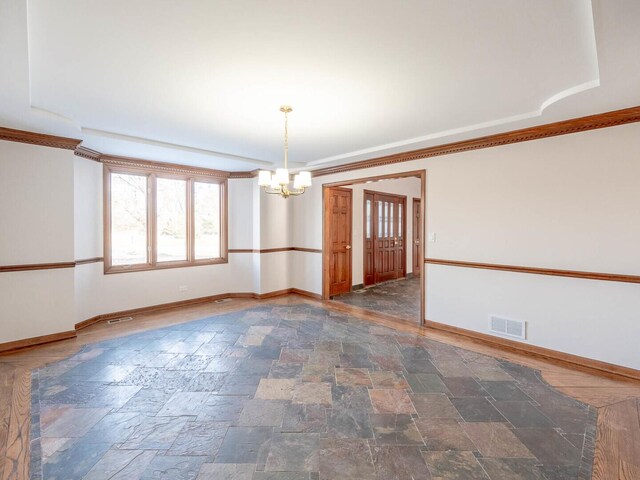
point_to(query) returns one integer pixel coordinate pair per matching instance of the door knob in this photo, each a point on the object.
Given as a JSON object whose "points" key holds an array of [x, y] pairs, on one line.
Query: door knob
{"points": [[348, 247]]}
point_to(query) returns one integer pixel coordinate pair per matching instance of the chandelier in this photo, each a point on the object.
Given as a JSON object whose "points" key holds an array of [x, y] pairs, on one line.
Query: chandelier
{"points": [[278, 183]]}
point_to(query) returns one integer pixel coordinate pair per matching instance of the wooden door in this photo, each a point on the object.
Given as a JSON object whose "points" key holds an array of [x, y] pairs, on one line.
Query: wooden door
{"points": [[339, 212], [417, 235], [389, 237]]}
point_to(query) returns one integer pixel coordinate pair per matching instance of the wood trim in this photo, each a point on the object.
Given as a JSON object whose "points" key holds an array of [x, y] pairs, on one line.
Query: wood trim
{"points": [[9, 347], [546, 353], [86, 261], [36, 266], [388, 176], [575, 125], [609, 277], [272, 250], [41, 139], [308, 250], [87, 153], [250, 174], [162, 167], [190, 302]]}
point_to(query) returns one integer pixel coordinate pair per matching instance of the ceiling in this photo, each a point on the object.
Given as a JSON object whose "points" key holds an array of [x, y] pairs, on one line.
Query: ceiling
{"points": [[200, 82]]}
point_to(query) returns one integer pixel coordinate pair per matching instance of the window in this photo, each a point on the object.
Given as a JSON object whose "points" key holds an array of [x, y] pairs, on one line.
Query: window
{"points": [[157, 220]]}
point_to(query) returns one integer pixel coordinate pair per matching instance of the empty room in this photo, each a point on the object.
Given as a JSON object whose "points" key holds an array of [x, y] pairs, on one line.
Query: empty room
{"points": [[335, 240]]}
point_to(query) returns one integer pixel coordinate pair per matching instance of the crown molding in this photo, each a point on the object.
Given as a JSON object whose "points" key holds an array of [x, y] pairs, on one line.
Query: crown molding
{"points": [[41, 139], [85, 152], [162, 166], [565, 127], [250, 174]]}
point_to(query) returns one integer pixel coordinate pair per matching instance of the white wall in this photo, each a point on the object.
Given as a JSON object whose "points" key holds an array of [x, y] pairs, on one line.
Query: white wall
{"points": [[409, 187], [36, 226], [569, 202]]}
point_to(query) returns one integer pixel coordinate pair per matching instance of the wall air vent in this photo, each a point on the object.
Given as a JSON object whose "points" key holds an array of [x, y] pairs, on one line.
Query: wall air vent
{"points": [[222, 300], [119, 320], [508, 327]]}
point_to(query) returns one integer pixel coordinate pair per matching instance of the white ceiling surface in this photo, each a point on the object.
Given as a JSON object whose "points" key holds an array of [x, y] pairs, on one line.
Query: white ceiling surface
{"points": [[200, 82]]}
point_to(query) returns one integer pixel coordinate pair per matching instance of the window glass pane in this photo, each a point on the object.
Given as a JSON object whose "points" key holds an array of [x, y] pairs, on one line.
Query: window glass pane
{"points": [[380, 218], [128, 219], [171, 222], [400, 219], [207, 220], [368, 220], [392, 207], [386, 219]]}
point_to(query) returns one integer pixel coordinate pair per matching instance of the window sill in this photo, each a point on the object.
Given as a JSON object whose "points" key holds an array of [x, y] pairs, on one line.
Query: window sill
{"points": [[163, 266]]}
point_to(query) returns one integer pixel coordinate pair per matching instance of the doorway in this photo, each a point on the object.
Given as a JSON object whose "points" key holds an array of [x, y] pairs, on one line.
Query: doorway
{"points": [[384, 237], [401, 293]]}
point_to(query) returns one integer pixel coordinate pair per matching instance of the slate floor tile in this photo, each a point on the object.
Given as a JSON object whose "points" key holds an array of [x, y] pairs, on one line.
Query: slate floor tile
{"points": [[276, 388], [243, 444], [523, 415], [291, 452], [464, 387], [74, 422], [351, 398], [223, 408], [262, 413], [442, 434], [353, 377], [494, 439], [155, 433], [391, 401], [477, 409], [392, 429], [167, 467], [505, 391], [199, 439], [121, 465], [392, 380], [304, 418], [312, 392], [348, 423], [75, 461], [426, 383], [401, 463], [147, 400], [434, 406], [512, 469], [454, 466], [226, 471], [184, 403], [346, 460], [549, 446]]}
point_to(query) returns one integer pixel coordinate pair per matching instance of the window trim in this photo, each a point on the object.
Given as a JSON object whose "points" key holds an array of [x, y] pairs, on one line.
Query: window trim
{"points": [[152, 175]]}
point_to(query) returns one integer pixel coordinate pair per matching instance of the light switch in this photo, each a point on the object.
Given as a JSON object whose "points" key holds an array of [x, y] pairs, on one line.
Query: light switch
{"points": [[432, 237]]}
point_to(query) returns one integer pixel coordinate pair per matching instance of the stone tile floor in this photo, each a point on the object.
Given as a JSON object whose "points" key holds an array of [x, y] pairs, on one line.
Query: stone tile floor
{"points": [[300, 392], [400, 298]]}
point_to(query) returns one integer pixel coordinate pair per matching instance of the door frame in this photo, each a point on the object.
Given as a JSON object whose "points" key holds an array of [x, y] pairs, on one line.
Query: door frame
{"points": [[416, 263], [326, 226], [373, 227]]}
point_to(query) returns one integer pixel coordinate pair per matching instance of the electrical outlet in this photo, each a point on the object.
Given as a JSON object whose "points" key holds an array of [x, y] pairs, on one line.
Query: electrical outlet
{"points": [[183, 288], [432, 237]]}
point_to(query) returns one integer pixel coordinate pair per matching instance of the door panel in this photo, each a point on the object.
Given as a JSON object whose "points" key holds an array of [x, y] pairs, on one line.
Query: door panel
{"points": [[417, 235], [340, 241], [389, 237]]}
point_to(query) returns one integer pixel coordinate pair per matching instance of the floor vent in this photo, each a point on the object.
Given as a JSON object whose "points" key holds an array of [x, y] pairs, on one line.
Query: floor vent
{"points": [[508, 327], [119, 320], [222, 300]]}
